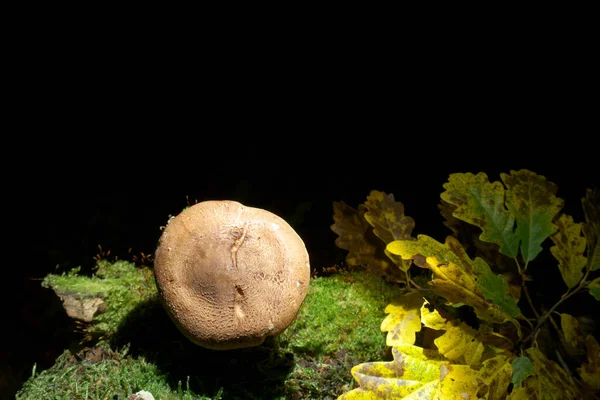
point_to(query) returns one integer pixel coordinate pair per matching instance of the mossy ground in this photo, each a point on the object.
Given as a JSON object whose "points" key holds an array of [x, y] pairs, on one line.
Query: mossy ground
{"points": [[134, 345]]}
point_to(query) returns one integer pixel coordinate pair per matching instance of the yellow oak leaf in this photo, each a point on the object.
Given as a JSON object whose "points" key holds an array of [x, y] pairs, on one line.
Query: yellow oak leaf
{"points": [[387, 218], [531, 390], [590, 371], [568, 249], [554, 384], [495, 374], [459, 279], [432, 319], [570, 327], [403, 319], [457, 382], [413, 369], [460, 344], [389, 223]]}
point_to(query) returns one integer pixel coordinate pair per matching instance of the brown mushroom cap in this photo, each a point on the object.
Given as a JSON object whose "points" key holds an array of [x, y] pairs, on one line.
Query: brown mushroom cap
{"points": [[230, 275]]}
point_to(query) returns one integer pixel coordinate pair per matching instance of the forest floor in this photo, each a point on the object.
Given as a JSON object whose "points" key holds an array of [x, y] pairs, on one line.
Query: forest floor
{"points": [[131, 345]]}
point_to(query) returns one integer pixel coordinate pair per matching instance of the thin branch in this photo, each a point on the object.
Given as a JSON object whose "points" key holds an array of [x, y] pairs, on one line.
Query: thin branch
{"points": [[563, 298], [524, 286]]}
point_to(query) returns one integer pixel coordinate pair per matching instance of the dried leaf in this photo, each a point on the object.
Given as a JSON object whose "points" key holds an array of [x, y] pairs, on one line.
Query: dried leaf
{"points": [[351, 228], [531, 199], [403, 319], [461, 280], [591, 229], [568, 249], [481, 203], [364, 248]]}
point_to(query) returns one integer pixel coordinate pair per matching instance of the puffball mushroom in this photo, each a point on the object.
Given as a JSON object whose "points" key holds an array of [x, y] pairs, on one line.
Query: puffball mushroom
{"points": [[230, 275]]}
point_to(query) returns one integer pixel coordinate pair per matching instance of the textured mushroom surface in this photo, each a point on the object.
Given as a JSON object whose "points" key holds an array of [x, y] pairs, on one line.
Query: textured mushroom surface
{"points": [[230, 275]]}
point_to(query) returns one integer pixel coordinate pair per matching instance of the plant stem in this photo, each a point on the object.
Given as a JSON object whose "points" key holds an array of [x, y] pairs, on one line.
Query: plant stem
{"points": [[524, 286], [564, 297]]}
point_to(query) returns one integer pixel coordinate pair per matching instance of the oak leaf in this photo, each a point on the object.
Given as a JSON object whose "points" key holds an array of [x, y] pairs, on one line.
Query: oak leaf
{"points": [[461, 280], [387, 218], [432, 319], [591, 229], [531, 199], [413, 370], [417, 373], [460, 344], [496, 374], [364, 249], [522, 368], [594, 287], [457, 382], [554, 384], [568, 249], [590, 371], [389, 223], [481, 203], [531, 390], [570, 327], [403, 319]]}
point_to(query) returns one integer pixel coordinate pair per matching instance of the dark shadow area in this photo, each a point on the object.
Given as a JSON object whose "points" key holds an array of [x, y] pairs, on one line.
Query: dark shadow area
{"points": [[251, 373], [44, 331]]}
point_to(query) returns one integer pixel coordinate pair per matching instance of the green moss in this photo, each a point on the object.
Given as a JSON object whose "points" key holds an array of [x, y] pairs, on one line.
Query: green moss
{"points": [[337, 327], [105, 374], [121, 285], [342, 313]]}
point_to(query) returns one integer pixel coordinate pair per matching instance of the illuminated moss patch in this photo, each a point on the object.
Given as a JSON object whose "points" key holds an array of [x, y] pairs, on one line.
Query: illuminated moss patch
{"points": [[337, 327], [121, 285]]}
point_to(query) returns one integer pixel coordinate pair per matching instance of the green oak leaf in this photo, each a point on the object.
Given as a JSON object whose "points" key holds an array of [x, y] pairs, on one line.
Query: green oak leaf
{"points": [[594, 287], [522, 368], [531, 199], [568, 249], [481, 203]]}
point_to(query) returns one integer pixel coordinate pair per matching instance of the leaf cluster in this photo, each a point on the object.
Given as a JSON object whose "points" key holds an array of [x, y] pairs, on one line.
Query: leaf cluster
{"points": [[366, 231], [517, 347]]}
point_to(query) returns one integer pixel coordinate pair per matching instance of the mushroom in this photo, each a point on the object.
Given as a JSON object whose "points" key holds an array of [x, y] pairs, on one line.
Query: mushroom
{"points": [[230, 275]]}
